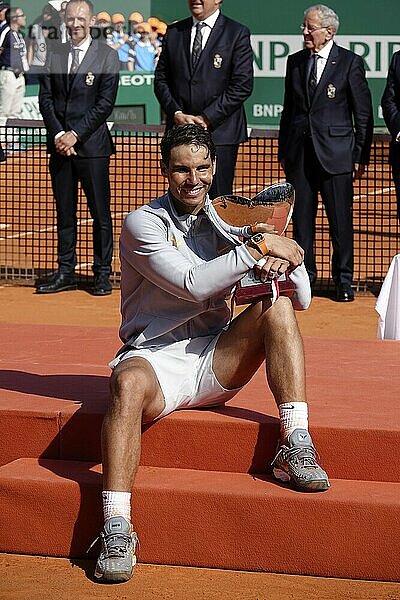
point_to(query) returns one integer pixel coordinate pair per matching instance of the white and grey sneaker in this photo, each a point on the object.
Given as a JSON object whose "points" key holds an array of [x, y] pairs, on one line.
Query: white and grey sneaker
{"points": [[295, 461], [117, 557]]}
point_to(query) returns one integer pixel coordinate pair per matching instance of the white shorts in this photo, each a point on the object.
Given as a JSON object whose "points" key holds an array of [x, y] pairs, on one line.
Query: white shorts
{"points": [[184, 372]]}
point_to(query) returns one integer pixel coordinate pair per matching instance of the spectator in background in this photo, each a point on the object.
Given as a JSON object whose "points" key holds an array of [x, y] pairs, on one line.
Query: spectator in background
{"points": [[161, 31], [143, 51], [158, 40], [203, 76], [324, 140], [153, 22], [13, 66], [103, 28], [41, 35], [64, 36], [120, 42], [158, 30], [391, 113], [77, 95], [134, 19], [3, 7]]}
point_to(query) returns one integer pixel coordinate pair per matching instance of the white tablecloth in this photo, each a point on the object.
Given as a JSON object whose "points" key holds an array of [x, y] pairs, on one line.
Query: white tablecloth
{"points": [[388, 303]]}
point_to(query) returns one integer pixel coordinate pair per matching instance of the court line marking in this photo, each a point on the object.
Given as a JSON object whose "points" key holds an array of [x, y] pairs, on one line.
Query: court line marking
{"points": [[375, 193], [25, 234], [54, 227]]}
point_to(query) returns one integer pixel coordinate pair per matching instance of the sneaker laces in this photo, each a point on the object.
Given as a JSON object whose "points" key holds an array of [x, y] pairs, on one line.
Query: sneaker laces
{"points": [[116, 545], [306, 454]]}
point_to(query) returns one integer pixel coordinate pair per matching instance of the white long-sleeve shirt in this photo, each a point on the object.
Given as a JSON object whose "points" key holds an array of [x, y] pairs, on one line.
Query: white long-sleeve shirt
{"points": [[176, 273]]}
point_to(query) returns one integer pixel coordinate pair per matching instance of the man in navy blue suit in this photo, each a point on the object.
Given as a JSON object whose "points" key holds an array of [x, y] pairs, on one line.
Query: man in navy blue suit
{"points": [[77, 95], [324, 140], [204, 75]]}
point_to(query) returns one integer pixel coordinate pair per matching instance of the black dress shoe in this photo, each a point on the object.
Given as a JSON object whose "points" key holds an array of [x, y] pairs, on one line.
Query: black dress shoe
{"points": [[344, 293], [102, 286], [60, 282]]}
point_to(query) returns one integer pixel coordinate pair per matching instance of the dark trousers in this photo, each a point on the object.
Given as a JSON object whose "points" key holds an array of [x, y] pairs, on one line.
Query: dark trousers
{"points": [[394, 160], [223, 179], [309, 178], [396, 178], [93, 173]]}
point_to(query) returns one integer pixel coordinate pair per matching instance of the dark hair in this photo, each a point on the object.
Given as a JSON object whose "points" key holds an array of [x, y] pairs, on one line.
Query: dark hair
{"points": [[88, 2], [186, 135], [11, 13]]}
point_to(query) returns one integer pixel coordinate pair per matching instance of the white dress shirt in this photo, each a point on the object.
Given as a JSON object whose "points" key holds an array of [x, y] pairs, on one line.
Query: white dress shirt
{"points": [[83, 48], [323, 55], [205, 32]]}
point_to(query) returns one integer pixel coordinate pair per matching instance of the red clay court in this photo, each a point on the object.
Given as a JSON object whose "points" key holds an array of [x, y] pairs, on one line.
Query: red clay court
{"points": [[213, 460]]}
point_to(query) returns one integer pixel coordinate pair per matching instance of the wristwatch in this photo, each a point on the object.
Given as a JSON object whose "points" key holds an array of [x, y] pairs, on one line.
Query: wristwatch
{"points": [[258, 242]]}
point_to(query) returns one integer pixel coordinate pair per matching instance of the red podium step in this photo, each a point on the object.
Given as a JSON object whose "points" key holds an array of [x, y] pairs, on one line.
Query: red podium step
{"points": [[203, 495]]}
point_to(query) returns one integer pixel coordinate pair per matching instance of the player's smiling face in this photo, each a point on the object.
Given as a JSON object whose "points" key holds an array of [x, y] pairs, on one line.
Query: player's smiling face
{"points": [[189, 172]]}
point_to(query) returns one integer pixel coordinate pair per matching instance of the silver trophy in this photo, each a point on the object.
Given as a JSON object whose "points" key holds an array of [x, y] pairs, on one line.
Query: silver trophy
{"points": [[272, 206]]}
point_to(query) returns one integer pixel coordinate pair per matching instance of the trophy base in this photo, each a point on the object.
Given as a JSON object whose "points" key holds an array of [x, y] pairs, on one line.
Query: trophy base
{"points": [[250, 290]]}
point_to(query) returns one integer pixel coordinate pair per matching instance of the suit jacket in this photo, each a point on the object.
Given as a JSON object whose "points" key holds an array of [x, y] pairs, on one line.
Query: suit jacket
{"points": [[81, 103], [391, 106], [339, 118], [218, 86]]}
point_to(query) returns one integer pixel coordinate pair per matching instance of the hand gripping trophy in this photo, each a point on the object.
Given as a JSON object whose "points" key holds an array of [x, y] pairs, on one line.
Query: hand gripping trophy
{"points": [[269, 211]]}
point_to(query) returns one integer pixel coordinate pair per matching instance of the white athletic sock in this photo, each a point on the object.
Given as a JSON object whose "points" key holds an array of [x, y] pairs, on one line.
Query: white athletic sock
{"points": [[116, 504], [293, 415]]}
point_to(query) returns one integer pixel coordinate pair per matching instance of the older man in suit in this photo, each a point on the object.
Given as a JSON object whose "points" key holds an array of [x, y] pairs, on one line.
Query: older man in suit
{"points": [[203, 76], [77, 95], [324, 141]]}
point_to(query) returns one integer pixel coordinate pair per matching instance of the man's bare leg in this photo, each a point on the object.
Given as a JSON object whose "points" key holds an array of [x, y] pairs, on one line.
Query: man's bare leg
{"points": [[136, 398], [264, 332], [270, 332]]}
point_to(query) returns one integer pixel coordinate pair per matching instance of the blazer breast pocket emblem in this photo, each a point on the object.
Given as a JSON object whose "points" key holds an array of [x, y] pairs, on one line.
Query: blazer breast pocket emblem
{"points": [[89, 78], [331, 90], [217, 61]]}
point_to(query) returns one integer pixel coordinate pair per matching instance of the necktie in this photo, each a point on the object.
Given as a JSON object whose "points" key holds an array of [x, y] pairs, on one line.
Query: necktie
{"points": [[197, 44], [312, 80], [75, 61]]}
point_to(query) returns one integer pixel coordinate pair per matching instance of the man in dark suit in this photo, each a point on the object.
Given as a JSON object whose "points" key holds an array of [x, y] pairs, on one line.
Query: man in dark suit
{"points": [[390, 106], [203, 76], [324, 140], [77, 94]]}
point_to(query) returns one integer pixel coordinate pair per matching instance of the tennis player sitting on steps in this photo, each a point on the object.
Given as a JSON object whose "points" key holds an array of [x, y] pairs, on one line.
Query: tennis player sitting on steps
{"points": [[181, 348]]}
